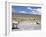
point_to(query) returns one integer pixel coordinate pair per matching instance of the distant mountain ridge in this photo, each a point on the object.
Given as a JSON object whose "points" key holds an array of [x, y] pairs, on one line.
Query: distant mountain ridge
{"points": [[22, 13]]}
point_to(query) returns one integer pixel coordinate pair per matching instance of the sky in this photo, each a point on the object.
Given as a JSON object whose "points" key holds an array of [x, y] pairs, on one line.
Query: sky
{"points": [[26, 9]]}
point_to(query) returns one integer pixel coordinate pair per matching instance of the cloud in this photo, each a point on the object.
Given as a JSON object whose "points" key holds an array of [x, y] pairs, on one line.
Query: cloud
{"points": [[33, 12], [22, 12], [36, 12], [29, 8], [39, 10]]}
